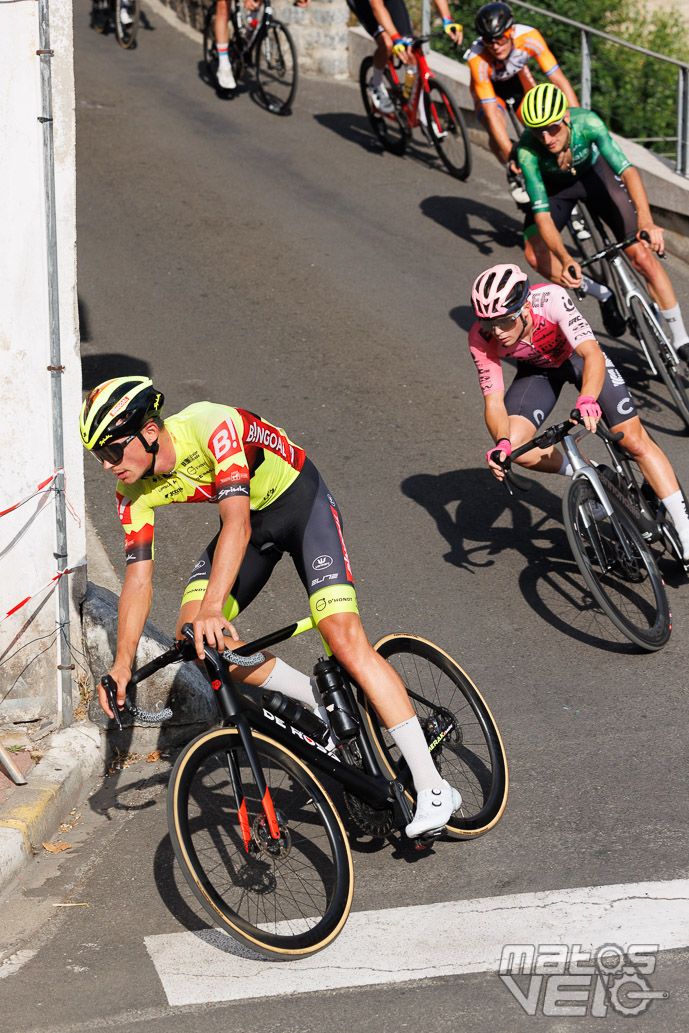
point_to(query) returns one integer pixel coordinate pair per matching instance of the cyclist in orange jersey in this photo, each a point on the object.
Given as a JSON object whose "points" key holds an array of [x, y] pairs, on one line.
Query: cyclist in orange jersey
{"points": [[271, 499], [498, 62]]}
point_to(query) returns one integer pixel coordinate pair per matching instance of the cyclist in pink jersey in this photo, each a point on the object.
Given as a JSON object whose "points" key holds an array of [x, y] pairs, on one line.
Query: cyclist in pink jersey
{"points": [[553, 345]]}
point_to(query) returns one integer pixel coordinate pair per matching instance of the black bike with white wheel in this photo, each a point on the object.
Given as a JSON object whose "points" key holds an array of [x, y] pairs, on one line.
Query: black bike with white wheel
{"points": [[256, 40]]}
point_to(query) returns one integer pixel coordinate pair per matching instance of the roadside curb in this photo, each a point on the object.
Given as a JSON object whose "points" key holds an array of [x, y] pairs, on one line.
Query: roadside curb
{"points": [[73, 758]]}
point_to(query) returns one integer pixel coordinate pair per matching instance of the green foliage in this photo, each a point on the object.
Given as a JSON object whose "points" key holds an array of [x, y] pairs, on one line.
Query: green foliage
{"points": [[635, 95]]}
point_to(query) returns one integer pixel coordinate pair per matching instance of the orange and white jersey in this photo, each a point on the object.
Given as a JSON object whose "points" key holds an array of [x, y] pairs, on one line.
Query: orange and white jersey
{"points": [[487, 72]]}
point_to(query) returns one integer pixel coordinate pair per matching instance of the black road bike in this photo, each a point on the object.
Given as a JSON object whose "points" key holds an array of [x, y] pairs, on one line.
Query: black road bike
{"points": [[122, 14], [259, 41], [254, 829], [612, 516]]}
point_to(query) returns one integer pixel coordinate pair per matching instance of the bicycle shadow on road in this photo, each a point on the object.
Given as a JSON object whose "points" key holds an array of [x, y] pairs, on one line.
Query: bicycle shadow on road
{"points": [[485, 227], [352, 127], [477, 532]]}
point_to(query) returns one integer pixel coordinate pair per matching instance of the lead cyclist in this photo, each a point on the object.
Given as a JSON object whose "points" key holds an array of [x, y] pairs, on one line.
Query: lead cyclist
{"points": [[271, 499]]}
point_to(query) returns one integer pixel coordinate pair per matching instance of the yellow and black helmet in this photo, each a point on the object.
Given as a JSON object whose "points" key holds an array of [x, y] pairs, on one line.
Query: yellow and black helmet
{"points": [[118, 408], [543, 105]]}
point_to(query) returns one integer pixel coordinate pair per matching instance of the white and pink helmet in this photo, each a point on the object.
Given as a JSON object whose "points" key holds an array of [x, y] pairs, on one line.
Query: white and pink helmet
{"points": [[499, 291]]}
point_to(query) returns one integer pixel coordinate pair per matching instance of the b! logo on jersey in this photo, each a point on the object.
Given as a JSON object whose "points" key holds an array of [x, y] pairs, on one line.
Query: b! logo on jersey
{"points": [[224, 441], [124, 507]]}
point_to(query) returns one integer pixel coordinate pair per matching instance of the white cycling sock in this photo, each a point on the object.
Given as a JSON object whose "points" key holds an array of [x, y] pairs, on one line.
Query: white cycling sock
{"points": [[411, 741], [376, 76], [676, 507], [673, 317], [223, 58], [597, 290], [292, 683]]}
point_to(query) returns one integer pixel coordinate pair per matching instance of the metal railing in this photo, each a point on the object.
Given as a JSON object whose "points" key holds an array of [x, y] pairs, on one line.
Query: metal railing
{"points": [[586, 32]]}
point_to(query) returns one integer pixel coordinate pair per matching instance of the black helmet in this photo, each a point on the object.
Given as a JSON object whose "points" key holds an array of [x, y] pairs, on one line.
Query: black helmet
{"points": [[493, 20]]}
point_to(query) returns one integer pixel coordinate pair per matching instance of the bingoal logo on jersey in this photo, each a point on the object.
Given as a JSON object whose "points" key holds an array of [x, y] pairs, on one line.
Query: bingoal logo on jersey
{"points": [[224, 441]]}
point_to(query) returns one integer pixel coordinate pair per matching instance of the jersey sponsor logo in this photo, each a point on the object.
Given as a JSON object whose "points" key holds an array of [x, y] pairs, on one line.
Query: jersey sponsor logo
{"points": [[322, 562], [332, 600], [267, 437], [224, 441], [322, 580], [232, 489], [124, 507], [625, 407]]}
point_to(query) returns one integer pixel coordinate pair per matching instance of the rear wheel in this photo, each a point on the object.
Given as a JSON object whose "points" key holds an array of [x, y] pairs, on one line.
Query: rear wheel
{"points": [[463, 738], [276, 68], [619, 568], [285, 897], [126, 22], [671, 372], [448, 131], [391, 130]]}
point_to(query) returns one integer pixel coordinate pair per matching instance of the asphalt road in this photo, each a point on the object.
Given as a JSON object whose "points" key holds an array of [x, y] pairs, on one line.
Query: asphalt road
{"points": [[288, 266]]}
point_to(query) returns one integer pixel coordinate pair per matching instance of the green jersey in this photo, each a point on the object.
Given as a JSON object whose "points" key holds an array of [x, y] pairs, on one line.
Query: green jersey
{"points": [[590, 138]]}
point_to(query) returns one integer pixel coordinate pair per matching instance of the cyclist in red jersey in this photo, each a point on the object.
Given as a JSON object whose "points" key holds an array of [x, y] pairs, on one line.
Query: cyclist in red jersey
{"points": [[271, 499], [498, 62], [553, 345]]}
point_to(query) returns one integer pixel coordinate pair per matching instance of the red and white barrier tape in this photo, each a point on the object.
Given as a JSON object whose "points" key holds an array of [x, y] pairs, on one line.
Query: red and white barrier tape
{"points": [[37, 490], [60, 573]]}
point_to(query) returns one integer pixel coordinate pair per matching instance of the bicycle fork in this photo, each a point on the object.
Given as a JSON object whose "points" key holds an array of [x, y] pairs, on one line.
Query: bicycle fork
{"points": [[261, 785]]}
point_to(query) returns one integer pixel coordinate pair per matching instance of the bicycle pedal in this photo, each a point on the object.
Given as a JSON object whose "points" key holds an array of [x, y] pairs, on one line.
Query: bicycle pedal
{"points": [[424, 841]]}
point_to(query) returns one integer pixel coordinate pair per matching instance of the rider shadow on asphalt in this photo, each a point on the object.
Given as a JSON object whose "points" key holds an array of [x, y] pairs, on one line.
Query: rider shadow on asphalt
{"points": [[480, 521], [482, 225]]}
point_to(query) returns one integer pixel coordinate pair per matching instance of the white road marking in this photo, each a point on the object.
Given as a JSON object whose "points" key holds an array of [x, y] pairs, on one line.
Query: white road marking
{"points": [[421, 942]]}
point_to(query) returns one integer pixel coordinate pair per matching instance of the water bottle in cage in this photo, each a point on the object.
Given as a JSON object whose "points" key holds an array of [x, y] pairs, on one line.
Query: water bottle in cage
{"points": [[336, 699]]}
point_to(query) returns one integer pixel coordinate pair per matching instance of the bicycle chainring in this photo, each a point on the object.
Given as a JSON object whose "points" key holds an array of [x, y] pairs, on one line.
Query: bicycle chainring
{"points": [[372, 822]]}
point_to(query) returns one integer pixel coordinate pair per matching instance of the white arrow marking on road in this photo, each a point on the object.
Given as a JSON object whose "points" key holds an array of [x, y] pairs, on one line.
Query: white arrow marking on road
{"points": [[425, 941]]}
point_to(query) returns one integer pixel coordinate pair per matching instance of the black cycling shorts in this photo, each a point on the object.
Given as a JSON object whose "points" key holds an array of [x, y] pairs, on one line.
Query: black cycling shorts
{"points": [[396, 9], [604, 193], [305, 522], [535, 390]]}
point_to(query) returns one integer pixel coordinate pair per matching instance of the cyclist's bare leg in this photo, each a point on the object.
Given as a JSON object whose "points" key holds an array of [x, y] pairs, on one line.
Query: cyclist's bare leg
{"points": [[545, 460], [540, 257], [222, 22], [653, 463], [645, 262], [346, 637], [383, 51]]}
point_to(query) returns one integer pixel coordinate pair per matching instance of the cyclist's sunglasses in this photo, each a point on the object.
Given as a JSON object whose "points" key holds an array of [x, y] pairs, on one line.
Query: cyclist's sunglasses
{"points": [[112, 453], [550, 130], [496, 39], [502, 322]]}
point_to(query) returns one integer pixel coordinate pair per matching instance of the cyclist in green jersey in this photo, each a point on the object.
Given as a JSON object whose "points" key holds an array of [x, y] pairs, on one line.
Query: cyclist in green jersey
{"points": [[271, 499], [568, 155]]}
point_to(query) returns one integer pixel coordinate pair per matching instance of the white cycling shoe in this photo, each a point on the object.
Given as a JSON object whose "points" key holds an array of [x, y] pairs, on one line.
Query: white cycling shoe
{"points": [[434, 808], [125, 16], [381, 98], [226, 79]]}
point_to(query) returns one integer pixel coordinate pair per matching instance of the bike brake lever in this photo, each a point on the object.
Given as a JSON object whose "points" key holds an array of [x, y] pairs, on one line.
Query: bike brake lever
{"points": [[644, 236]]}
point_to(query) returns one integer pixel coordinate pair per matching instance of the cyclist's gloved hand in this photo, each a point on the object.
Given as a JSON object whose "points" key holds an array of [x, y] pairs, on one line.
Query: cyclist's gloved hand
{"points": [[588, 406], [493, 453], [400, 44], [453, 29]]}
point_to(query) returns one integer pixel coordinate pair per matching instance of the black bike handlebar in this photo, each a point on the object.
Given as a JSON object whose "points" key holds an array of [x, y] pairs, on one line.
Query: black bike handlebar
{"points": [[551, 436], [611, 249]]}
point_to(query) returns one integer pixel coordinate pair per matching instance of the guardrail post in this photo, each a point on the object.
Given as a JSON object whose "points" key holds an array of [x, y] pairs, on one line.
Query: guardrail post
{"points": [[585, 69], [682, 163]]}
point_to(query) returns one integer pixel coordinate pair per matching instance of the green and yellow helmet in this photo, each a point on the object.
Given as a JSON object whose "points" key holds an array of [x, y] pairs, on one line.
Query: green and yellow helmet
{"points": [[118, 408], [543, 105]]}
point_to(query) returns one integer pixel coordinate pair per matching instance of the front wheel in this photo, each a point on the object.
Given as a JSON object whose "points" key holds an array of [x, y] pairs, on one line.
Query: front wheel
{"points": [[448, 131], [391, 129], [126, 22], [671, 372], [276, 68], [284, 897], [619, 568], [462, 735]]}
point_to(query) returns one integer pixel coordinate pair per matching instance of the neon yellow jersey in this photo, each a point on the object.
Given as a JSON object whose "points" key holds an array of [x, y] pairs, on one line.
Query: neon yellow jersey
{"points": [[219, 452]]}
